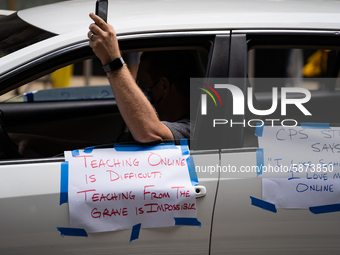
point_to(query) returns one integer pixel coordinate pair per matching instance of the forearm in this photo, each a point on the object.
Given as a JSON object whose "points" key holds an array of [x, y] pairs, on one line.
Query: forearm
{"points": [[139, 115], [134, 107]]}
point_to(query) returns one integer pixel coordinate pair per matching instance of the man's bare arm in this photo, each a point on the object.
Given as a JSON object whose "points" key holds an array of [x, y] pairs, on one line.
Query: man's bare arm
{"points": [[137, 112]]}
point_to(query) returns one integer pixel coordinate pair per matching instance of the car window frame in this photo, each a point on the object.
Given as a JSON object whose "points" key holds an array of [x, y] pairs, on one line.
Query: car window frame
{"points": [[266, 38], [81, 51]]}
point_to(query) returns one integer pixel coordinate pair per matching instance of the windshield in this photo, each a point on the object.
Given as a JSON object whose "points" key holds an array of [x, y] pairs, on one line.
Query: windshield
{"points": [[16, 34]]}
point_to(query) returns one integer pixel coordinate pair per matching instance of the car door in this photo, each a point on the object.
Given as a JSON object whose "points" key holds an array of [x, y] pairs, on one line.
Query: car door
{"points": [[243, 222], [31, 188]]}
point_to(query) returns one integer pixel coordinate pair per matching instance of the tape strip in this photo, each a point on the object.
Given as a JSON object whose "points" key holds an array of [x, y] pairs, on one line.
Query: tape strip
{"points": [[259, 129], [64, 183], [135, 232], [263, 204], [184, 147], [72, 232], [259, 160], [30, 96], [89, 149], [187, 222], [325, 208], [121, 147], [315, 125], [75, 153], [192, 171]]}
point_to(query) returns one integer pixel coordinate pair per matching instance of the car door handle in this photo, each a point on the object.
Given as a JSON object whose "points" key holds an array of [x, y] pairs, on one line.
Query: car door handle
{"points": [[200, 191]]}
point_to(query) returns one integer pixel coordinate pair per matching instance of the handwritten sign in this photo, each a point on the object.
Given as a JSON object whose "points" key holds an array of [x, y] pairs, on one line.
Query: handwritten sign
{"points": [[114, 189], [301, 166]]}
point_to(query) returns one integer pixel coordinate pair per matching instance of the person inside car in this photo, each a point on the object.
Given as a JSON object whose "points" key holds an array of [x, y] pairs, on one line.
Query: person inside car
{"points": [[158, 107], [163, 77], [155, 107]]}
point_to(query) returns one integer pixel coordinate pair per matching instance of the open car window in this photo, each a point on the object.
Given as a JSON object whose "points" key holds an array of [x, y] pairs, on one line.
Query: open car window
{"points": [[83, 110], [295, 62], [310, 67], [78, 81]]}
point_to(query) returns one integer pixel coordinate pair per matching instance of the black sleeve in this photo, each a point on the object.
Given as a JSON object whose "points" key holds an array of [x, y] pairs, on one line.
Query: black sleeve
{"points": [[180, 129]]}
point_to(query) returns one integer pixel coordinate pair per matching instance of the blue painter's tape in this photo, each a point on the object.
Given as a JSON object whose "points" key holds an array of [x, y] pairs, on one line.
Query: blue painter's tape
{"points": [[184, 142], [184, 147], [315, 125], [187, 222], [121, 147], [89, 149], [135, 232], [263, 204], [259, 160], [64, 183], [259, 129], [75, 153], [72, 232], [325, 208], [30, 96], [192, 171]]}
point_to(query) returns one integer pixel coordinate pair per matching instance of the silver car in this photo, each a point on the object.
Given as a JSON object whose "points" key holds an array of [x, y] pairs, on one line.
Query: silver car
{"points": [[243, 40]]}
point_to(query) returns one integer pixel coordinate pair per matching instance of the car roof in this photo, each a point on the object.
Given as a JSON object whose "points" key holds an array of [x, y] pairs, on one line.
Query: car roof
{"points": [[70, 20], [139, 16]]}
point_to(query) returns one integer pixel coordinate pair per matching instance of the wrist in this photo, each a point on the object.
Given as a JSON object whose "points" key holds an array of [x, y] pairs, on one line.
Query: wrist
{"points": [[107, 58], [114, 74], [114, 65]]}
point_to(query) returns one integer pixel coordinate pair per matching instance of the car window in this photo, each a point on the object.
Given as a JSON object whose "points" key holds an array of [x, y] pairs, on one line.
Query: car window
{"points": [[84, 110], [314, 68], [16, 34], [297, 62], [82, 80], [302, 67]]}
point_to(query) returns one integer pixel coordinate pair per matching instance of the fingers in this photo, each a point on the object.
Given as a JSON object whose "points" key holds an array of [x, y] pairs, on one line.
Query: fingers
{"points": [[99, 21], [103, 40], [95, 30], [100, 26], [90, 34]]}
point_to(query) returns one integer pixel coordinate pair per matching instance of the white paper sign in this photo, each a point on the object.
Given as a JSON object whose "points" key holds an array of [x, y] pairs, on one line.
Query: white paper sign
{"points": [[301, 166], [300, 193], [113, 190]]}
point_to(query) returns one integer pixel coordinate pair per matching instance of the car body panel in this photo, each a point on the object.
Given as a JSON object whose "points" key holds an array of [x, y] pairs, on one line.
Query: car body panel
{"points": [[253, 230], [30, 203]]}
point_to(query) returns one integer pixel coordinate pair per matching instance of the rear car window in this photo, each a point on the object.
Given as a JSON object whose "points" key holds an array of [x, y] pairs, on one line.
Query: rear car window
{"points": [[310, 67], [16, 34], [296, 63]]}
